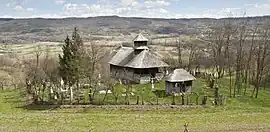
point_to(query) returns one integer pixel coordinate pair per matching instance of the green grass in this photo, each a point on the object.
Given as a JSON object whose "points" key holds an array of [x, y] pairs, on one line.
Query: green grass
{"points": [[240, 114]]}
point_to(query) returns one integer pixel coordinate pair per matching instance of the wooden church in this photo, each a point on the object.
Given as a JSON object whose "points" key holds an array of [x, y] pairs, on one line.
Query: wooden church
{"points": [[137, 64]]}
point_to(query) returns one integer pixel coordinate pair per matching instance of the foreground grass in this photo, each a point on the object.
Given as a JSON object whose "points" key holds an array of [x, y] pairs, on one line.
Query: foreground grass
{"points": [[125, 120], [232, 117]]}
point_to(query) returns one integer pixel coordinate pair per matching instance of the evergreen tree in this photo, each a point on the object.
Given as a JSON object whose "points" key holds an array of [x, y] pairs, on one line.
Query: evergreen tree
{"points": [[64, 62], [69, 62]]}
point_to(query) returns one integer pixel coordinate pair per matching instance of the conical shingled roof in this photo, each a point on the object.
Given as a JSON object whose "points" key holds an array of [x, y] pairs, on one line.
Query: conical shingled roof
{"points": [[146, 59], [179, 75], [140, 37]]}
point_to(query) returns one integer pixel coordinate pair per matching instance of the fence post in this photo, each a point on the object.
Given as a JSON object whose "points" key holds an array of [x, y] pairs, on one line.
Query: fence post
{"points": [[173, 99], [137, 103]]}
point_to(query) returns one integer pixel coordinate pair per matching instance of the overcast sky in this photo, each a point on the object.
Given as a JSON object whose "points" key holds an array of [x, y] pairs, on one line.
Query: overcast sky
{"points": [[134, 8]]}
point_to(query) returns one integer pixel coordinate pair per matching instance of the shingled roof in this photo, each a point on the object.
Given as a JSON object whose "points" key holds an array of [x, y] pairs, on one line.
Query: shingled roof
{"points": [[140, 37], [142, 58], [179, 75], [126, 57], [122, 57], [146, 59]]}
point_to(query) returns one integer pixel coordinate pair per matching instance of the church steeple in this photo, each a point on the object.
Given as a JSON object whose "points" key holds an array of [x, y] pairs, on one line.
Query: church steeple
{"points": [[140, 42]]}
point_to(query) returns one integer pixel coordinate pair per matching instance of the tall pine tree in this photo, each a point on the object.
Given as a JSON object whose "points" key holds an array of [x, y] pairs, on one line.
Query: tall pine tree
{"points": [[69, 62]]}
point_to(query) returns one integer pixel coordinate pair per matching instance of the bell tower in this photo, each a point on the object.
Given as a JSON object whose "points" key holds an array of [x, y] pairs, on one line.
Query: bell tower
{"points": [[140, 43]]}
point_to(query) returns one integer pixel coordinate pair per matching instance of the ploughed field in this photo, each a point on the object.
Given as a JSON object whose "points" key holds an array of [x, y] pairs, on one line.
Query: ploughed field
{"points": [[239, 114]]}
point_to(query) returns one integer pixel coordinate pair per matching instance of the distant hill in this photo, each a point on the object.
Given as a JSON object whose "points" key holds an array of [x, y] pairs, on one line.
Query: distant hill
{"points": [[40, 29]]}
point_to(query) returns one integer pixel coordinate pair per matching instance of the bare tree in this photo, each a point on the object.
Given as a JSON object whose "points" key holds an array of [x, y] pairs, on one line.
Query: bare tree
{"points": [[179, 47], [247, 70], [40, 70], [34, 75], [241, 39], [228, 53], [216, 44], [193, 50], [93, 55], [262, 60]]}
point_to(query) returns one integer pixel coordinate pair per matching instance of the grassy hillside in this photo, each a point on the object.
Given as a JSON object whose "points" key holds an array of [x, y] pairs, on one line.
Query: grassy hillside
{"points": [[240, 114]]}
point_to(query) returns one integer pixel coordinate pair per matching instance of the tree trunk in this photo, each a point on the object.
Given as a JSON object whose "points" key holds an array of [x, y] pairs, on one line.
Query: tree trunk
{"points": [[230, 74], [93, 96], [182, 99], [105, 95], [43, 93], [245, 81], [116, 99], [179, 53], [137, 102], [127, 95], [90, 96], [265, 83], [142, 100], [187, 100], [173, 99], [257, 92], [2, 86], [216, 95]]}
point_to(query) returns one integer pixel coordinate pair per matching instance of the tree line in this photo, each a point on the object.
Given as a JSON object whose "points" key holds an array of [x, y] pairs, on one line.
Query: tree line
{"points": [[238, 52]]}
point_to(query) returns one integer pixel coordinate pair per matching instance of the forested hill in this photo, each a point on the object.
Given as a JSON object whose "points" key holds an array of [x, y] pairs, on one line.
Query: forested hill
{"points": [[40, 29]]}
